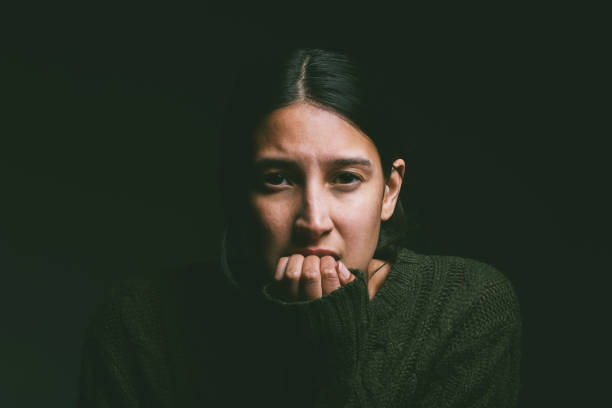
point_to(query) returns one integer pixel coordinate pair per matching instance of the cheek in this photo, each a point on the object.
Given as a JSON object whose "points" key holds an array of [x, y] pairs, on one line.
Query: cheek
{"points": [[359, 223], [274, 218]]}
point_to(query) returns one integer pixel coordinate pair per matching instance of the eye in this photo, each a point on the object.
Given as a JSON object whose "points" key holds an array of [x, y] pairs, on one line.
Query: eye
{"points": [[347, 178], [275, 179]]}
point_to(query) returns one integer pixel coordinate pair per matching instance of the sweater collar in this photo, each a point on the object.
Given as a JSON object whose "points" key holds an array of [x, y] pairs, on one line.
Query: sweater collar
{"points": [[396, 285]]}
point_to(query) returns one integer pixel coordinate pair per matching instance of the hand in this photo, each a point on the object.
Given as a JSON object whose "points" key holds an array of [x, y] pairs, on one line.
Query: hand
{"points": [[310, 278]]}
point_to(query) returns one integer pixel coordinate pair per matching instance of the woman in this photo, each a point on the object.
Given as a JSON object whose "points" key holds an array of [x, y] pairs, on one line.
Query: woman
{"points": [[319, 304]]}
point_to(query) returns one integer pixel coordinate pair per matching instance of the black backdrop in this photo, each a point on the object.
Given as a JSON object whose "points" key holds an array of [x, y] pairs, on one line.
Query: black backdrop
{"points": [[108, 165]]}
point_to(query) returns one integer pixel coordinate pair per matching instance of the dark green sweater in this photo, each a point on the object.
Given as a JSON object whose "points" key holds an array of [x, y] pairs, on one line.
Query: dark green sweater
{"points": [[441, 332]]}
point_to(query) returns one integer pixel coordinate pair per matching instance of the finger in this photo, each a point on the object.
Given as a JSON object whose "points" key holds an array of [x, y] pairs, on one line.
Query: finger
{"points": [[311, 278], [280, 268], [293, 271], [344, 274], [329, 275]]}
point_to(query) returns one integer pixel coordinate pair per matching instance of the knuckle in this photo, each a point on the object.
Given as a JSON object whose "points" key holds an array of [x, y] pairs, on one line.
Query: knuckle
{"points": [[295, 258], [294, 266], [292, 273], [311, 260], [329, 274], [310, 274], [328, 259], [328, 262], [311, 264]]}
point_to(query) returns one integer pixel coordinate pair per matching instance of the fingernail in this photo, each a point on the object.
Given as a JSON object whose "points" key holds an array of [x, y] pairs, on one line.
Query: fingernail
{"points": [[344, 272]]}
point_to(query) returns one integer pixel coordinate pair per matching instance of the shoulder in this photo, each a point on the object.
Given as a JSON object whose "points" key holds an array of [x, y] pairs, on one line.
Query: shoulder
{"points": [[459, 322], [460, 290], [134, 308], [462, 276], [127, 303], [460, 270]]}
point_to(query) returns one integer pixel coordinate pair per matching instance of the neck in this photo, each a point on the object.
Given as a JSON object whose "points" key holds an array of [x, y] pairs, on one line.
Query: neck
{"points": [[377, 273]]}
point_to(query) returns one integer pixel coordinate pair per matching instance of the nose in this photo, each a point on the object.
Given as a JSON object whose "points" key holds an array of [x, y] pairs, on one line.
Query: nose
{"points": [[313, 219]]}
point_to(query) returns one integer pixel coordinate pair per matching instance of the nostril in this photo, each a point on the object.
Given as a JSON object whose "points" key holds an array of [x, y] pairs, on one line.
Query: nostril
{"points": [[308, 233]]}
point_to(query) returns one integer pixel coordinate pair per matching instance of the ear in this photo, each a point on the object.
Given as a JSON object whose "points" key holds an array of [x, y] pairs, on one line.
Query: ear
{"points": [[393, 186]]}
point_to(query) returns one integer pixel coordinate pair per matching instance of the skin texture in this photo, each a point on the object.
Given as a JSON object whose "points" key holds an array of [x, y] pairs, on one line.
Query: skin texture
{"points": [[312, 201]]}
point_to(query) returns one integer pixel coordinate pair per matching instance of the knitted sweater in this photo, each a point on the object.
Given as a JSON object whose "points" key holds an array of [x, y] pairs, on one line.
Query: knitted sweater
{"points": [[441, 332]]}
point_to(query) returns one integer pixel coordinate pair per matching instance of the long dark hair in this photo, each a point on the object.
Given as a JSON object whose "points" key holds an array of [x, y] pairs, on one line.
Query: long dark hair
{"points": [[330, 79]]}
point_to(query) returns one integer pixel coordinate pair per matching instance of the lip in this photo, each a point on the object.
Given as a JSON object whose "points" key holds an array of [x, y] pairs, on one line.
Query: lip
{"points": [[321, 252]]}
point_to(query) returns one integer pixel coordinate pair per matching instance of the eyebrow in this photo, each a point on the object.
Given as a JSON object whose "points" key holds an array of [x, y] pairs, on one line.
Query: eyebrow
{"points": [[288, 163]]}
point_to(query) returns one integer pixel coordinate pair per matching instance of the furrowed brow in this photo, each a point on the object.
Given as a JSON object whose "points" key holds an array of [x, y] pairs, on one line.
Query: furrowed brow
{"points": [[268, 162], [283, 163]]}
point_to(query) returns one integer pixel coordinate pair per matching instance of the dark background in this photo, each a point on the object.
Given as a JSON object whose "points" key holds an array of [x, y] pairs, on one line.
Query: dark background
{"points": [[108, 165]]}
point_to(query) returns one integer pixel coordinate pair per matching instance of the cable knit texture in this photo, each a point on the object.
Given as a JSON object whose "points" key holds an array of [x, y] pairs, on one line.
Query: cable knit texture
{"points": [[441, 332]]}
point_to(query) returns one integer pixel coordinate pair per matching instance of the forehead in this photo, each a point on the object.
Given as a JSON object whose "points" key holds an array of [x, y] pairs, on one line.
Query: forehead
{"points": [[306, 131]]}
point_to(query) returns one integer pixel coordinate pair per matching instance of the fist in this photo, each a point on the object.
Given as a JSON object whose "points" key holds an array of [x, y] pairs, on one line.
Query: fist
{"points": [[311, 277]]}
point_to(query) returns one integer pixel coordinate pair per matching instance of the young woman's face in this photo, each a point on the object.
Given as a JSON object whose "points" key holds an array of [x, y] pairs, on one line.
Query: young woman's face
{"points": [[319, 186]]}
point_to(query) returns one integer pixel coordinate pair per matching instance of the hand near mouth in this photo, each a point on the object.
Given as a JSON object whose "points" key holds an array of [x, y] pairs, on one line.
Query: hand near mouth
{"points": [[310, 277]]}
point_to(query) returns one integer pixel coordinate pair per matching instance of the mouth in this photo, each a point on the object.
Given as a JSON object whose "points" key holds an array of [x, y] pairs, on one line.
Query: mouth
{"points": [[320, 252]]}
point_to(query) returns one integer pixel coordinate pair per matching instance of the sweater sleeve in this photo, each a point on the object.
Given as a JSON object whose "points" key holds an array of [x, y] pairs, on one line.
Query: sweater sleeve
{"points": [[325, 338], [480, 366]]}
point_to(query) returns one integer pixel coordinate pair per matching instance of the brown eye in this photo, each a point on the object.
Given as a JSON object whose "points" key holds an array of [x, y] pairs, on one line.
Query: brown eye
{"points": [[275, 179], [347, 178]]}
